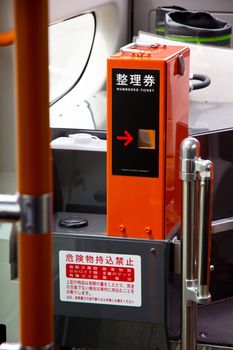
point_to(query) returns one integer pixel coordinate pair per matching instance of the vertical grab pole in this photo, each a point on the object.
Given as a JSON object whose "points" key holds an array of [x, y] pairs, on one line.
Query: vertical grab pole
{"points": [[197, 177], [34, 174], [190, 150], [204, 228]]}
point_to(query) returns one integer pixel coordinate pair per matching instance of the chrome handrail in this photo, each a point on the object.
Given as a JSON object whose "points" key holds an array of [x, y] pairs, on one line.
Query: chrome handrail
{"points": [[197, 177]]}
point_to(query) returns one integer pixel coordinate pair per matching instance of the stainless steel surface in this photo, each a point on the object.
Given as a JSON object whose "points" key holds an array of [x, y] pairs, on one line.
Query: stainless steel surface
{"points": [[205, 116], [212, 347], [175, 345], [17, 346], [176, 244], [204, 229], [188, 265], [188, 154], [189, 196], [36, 213], [191, 292], [10, 346], [222, 225], [197, 178], [9, 207]]}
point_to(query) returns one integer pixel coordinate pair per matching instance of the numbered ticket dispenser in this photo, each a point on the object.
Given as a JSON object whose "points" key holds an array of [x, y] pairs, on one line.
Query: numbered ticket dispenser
{"points": [[148, 92]]}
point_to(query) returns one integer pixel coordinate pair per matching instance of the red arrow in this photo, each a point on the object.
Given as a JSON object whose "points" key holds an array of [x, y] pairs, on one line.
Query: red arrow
{"points": [[128, 138]]}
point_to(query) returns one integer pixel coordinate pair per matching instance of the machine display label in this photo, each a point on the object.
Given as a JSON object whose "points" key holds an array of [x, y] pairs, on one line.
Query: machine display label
{"points": [[100, 278], [135, 122]]}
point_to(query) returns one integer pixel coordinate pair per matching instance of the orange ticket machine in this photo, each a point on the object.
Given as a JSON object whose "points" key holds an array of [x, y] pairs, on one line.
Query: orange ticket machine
{"points": [[147, 93]]}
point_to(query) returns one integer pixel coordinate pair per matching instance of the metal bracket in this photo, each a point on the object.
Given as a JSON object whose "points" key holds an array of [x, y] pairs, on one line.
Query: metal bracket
{"points": [[204, 168], [17, 346], [9, 207], [192, 293], [34, 212]]}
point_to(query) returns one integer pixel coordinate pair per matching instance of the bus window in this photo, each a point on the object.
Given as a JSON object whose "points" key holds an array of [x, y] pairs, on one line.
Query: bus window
{"points": [[70, 45]]}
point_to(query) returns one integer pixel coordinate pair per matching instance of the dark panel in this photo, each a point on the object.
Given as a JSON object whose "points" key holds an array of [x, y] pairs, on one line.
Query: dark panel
{"points": [[79, 181], [109, 334], [135, 117], [2, 333], [217, 147], [98, 326], [221, 285], [154, 289]]}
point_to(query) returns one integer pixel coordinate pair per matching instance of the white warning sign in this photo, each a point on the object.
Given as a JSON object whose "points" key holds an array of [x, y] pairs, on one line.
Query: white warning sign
{"points": [[100, 278]]}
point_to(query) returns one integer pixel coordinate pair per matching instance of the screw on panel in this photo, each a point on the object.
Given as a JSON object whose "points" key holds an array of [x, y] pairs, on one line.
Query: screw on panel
{"points": [[153, 251], [148, 230], [122, 228], [203, 334], [154, 46], [181, 64], [212, 268]]}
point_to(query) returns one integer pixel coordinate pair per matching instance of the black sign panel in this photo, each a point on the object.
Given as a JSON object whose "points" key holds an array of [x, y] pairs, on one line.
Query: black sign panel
{"points": [[135, 122]]}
